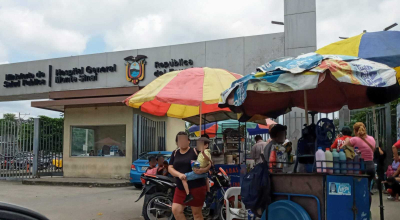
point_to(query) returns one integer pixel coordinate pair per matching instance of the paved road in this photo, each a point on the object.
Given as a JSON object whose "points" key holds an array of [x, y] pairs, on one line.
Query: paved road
{"points": [[80, 203], [83, 203]]}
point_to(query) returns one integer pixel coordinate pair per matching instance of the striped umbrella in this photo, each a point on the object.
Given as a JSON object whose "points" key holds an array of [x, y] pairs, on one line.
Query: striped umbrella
{"points": [[210, 129], [382, 47], [322, 83], [186, 94]]}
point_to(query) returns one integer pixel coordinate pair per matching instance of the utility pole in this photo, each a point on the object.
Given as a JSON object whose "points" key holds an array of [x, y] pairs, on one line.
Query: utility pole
{"points": [[23, 115]]}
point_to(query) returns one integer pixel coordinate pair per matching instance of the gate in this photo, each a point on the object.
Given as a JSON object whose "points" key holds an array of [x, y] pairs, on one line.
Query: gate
{"points": [[16, 149], [31, 148], [50, 149], [148, 135], [383, 124]]}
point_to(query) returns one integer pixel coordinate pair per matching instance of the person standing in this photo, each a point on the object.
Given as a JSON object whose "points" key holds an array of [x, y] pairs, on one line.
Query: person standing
{"points": [[257, 149], [366, 145], [379, 158], [278, 137], [179, 164], [341, 138]]}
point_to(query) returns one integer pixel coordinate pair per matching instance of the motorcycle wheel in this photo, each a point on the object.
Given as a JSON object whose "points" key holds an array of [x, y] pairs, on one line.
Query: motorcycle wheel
{"points": [[221, 211], [152, 211]]}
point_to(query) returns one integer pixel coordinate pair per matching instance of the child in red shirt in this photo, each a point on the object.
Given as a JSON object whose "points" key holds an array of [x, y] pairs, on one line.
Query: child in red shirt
{"points": [[344, 134]]}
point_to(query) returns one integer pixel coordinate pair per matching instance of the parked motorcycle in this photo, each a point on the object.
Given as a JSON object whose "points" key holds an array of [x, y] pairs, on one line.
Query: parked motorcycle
{"points": [[159, 192]]}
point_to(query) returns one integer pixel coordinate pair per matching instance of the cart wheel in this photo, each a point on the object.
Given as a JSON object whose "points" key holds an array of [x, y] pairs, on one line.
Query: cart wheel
{"points": [[285, 209]]}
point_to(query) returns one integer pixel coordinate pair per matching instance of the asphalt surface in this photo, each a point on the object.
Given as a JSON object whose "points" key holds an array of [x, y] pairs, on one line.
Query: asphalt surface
{"points": [[65, 202]]}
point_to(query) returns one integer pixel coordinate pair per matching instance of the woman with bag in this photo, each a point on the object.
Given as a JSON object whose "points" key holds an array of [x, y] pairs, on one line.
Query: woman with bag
{"points": [[366, 145]]}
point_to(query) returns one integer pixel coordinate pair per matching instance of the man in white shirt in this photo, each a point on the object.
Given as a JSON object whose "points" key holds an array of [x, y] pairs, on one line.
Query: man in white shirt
{"points": [[257, 149]]}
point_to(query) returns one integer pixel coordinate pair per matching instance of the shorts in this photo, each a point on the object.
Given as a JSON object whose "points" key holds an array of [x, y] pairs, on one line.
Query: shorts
{"points": [[194, 176], [199, 196]]}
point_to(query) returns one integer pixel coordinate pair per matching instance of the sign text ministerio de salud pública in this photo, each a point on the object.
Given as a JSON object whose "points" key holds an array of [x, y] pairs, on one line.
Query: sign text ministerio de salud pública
{"points": [[74, 75], [88, 74]]}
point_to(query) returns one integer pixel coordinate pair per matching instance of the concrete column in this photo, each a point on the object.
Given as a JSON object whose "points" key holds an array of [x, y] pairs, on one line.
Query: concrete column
{"points": [[300, 27], [300, 37]]}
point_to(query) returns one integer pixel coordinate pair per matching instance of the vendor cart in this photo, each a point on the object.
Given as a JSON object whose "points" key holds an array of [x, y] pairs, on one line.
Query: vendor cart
{"points": [[304, 194], [321, 196]]}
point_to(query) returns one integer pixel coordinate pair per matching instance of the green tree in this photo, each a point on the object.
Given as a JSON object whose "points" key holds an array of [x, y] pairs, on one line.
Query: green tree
{"points": [[51, 133], [9, 117]]}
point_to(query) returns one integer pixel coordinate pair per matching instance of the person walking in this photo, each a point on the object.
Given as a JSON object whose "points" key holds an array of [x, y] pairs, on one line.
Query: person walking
{"points": [[257, 149], [179, 164]]}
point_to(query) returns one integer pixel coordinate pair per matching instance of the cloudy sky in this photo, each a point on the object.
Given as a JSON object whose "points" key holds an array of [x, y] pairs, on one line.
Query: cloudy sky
{"points": [[41, 29]]}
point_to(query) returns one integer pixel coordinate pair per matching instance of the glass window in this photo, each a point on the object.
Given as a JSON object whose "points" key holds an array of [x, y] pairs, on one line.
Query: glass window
{"points": [[146, 156], [98, 141]]}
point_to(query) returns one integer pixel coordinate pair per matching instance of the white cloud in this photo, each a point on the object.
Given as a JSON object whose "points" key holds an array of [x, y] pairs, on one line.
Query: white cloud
{"points": [[39, 29], [27, 31], [3, 54], [349, 18]]}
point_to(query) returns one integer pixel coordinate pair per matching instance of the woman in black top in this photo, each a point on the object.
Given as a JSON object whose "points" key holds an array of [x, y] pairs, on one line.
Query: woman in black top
{"points": [[179, 164]]}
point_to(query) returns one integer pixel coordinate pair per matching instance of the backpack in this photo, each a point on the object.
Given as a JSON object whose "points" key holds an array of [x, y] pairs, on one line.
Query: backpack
{"points": [[256, 189]]}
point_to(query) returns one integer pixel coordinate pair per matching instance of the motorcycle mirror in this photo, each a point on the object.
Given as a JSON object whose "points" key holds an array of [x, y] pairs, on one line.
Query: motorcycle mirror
{"points": [[223, 171]]}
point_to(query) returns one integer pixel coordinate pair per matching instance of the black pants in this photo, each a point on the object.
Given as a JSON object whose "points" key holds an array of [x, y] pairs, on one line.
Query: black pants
{"points": [[381, 175], [370, 171]]}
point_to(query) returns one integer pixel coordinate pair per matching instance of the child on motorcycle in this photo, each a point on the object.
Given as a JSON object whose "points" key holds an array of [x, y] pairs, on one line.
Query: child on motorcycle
{"points": [[152, 169], [203, 160]]}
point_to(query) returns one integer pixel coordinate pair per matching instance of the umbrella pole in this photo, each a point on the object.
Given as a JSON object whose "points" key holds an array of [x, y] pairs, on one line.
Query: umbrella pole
{"points": [[205, 122], [200, 111], [245, 144], [306, 105]]}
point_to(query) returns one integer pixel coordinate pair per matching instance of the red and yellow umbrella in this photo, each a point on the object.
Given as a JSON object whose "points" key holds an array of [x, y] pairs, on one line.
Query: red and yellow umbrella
{"points": [[184, 94]]}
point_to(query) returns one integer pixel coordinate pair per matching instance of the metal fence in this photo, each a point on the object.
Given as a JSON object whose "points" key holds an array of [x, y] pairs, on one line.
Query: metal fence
{"points": [[16, 149], [50, 151], [381, 124], [148, 135], [30, 148]]}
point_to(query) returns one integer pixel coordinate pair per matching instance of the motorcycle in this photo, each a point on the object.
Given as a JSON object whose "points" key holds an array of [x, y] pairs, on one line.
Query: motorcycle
{"points": [[159, 192]]}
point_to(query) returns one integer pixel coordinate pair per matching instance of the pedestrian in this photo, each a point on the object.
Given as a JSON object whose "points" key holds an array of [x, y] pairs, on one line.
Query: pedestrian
{"points": [[179, 164], [379, 159], [341, 138], [366, 145], [278, 137], [257, 149], [203, 159]]}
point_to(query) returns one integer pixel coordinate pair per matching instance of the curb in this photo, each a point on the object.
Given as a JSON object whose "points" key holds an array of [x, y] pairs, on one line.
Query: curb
{"points": [[76, 184]]}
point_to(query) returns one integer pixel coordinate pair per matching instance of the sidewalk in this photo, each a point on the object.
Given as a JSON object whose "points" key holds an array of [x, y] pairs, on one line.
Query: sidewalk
{"points": [[81, 182]]}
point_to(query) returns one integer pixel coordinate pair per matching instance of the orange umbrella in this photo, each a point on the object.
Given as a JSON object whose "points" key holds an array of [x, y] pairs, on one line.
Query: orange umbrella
{"points": [[186, 94]]}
